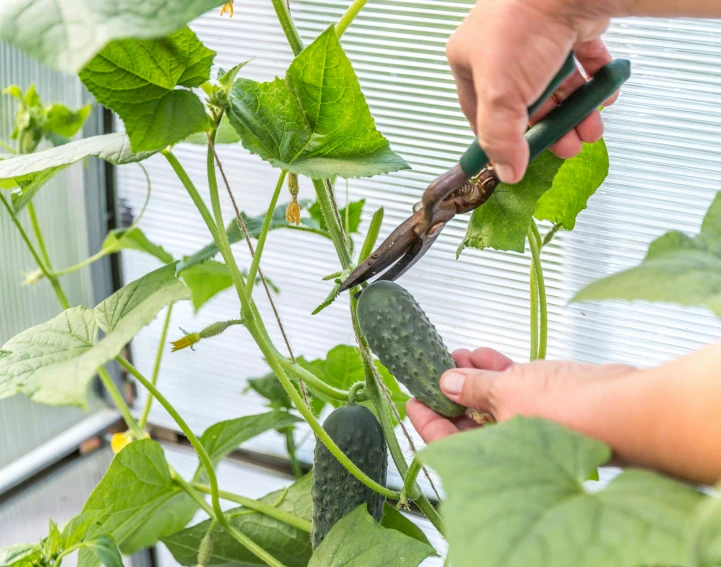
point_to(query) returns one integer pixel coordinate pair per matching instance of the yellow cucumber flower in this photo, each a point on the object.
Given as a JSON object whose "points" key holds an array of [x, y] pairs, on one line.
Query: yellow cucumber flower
{"points": [[227, 8]]}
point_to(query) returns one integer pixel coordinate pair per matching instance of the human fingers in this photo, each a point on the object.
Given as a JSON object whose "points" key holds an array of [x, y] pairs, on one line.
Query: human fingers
{"points": [[429, 425]]}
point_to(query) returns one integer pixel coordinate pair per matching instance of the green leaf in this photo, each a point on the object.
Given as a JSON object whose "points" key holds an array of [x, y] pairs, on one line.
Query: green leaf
{"points": [[315, 121], [134, 239], [29, 185], [502, 222], [358, 540], [77, 528], [136, 486], [19, 555], [104, 549], [226, 436], [226, 135], [677, 269], [515, 496], [705, 540], [113, 148], [271, 389], [394, 520], [60, 120], [14, 91], [576, 182], [343, 367], [53, 362], [254, 226], [66, 36], [32, 171], [137, 304], [289, 545], [138, 79], [355, 210], [53, 544], [206, 280]]}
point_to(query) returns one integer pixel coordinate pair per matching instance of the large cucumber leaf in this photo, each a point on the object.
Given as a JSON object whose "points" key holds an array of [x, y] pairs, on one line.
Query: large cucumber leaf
{"points": [[516, 497], [137, 500], [677, 269], [53, 362], [552, 189], [574, 184], [315, 121], [705, 541], [357, 539], [286, 543], [67, 34], [502, 222], [31, 171], [139, 79], [225, 436]]}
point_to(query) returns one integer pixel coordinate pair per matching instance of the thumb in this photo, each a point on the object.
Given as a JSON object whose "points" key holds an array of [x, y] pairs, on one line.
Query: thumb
{"points": [[470, 387]]}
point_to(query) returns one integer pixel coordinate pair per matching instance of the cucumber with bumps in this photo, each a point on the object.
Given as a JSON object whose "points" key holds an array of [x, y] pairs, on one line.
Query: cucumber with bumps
{"points": [[406, 342], [335, 491]]}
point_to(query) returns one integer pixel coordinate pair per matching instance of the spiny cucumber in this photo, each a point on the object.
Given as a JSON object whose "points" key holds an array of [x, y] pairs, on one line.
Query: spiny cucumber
{"points": [[335, 491], [406, 342]]}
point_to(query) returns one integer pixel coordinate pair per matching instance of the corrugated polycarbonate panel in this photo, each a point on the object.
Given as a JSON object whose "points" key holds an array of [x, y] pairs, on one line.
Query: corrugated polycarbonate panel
{"points": [[663, 137], [60, 207]]}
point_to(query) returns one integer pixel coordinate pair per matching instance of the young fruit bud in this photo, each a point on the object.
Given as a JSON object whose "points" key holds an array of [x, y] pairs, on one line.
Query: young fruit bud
{"points": [[211, 330], [205, 550]]}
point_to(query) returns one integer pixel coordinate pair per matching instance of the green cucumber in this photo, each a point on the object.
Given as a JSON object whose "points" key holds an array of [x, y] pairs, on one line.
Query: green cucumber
{"points": [[335, 491], [400, 334]]}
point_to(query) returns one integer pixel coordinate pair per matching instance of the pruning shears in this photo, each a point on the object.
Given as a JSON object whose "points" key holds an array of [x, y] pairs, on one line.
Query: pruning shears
{"points": [[469, 183]]}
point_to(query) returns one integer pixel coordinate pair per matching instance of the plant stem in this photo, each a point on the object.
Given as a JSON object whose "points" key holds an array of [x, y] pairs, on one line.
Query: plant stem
{"points": [[349, 16], [534, 311], [120, 403], [59, 293], [289, 29], [240, 537], [262, 507], [207, 464], [8, 147], [372, 235], [39, 235], [254, 322], [334, 229], [264, 232], [409, 483], [292, 449], [156, 368], [534, 239], [193, 192], [314, 382]]}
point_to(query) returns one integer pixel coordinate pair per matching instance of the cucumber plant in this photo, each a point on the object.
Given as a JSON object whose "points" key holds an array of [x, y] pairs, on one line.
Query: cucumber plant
{"points": [[514, 492]]}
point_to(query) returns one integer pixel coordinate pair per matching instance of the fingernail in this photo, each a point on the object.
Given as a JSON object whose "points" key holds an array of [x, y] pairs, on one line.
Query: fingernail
{"points": [[505, 172], [452, 383]]}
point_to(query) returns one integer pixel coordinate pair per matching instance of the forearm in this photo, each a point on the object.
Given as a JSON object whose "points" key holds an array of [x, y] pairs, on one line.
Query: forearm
{"points": [[666, 418]]}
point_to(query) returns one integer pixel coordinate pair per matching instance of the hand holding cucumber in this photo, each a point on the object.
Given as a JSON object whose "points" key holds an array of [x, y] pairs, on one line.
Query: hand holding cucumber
{"points": [[506, 51]]}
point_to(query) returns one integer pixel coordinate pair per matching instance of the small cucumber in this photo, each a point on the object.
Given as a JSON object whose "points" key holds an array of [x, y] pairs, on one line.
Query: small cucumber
{"points": [[406, 342], [335, 491]]}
